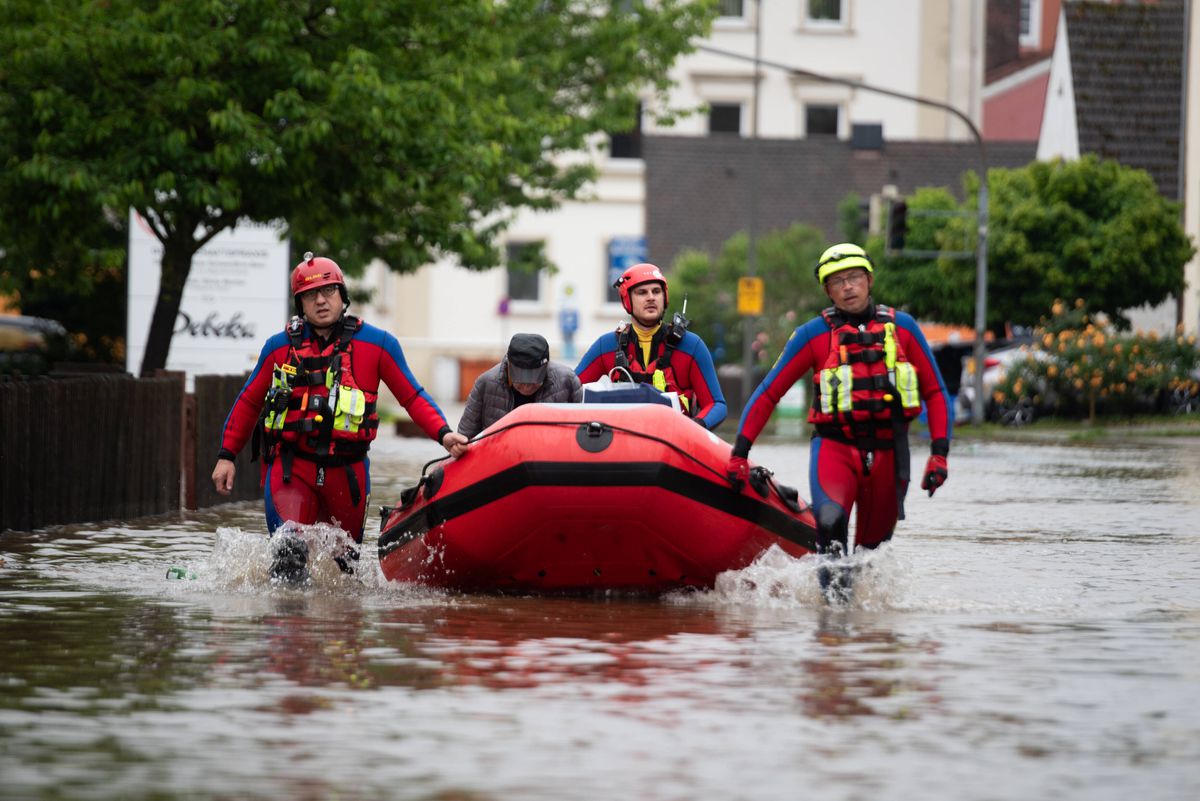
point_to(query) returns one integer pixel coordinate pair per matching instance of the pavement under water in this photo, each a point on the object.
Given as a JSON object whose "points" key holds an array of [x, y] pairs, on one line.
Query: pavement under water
{"points": [[1033, 631]]}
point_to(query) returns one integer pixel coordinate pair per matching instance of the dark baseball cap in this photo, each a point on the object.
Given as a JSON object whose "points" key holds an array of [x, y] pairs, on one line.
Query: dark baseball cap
{"points": [[528, 356]]}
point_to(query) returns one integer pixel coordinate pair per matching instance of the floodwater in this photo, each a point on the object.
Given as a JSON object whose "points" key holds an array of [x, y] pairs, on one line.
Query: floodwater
{"points": [[1033, 632]]}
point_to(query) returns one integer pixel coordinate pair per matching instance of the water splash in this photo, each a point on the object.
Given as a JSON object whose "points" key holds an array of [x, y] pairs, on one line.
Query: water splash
{"points": [[240, 560], [777, 580]]}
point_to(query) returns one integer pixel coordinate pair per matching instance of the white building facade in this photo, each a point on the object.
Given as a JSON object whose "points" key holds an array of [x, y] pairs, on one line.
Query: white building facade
{"points": [[452, 321]]}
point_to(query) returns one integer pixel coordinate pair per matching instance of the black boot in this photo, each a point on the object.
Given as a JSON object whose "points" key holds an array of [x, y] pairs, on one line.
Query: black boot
{"points": [[348, 561], [290, 560], [837, 582], [834, 576]]}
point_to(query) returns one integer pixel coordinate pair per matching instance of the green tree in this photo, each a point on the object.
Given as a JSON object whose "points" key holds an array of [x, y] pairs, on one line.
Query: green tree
{"points": [[853, 219], [785, 261], [1090, 229], [390, 129]]}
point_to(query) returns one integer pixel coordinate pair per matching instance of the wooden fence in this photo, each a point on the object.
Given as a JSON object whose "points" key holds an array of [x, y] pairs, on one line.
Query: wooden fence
{"points": [[214, 396], [112, 447]]}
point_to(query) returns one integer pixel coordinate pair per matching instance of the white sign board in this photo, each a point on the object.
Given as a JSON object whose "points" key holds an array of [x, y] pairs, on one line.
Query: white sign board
{"points": [[236, 296]]}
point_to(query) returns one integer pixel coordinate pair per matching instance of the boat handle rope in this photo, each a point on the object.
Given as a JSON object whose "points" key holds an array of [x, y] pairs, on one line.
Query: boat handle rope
{"points": [[574, 424]]}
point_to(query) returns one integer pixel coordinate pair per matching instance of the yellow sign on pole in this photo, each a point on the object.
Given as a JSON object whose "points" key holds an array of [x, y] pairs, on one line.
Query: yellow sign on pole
{"points": [[750, 296]]}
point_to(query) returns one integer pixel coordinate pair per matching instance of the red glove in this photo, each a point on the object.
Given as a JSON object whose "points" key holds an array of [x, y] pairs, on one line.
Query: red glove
{"points": [[737, 471], [935, 474]]}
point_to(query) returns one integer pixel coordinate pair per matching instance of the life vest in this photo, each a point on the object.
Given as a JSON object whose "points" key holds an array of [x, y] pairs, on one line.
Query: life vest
{"points": [[867, 384], [315, 402], [658, 372]]}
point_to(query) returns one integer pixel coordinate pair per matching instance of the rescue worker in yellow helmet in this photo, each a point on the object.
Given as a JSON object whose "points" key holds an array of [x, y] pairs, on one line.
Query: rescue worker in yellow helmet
{"points": [[872, 369]]}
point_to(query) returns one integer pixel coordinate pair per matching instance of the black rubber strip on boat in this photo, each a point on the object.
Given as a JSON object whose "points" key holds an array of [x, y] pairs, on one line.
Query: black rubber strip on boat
{"points": [[606, 474]]}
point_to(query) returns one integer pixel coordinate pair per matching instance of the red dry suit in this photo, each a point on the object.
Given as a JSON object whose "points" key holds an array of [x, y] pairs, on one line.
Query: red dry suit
{"points": [[686, 365], [311, 402], [871, 373]]}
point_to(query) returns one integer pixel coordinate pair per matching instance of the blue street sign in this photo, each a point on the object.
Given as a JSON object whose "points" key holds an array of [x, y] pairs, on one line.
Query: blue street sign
{"points": [[623, 253], [568, 321]]}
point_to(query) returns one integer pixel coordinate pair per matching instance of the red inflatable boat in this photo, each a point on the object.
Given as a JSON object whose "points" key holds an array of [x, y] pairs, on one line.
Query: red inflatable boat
{"points": [[569, 498]]}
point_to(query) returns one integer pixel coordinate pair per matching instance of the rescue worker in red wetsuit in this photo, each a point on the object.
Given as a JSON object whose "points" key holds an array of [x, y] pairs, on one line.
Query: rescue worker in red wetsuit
{"points": [[872, 370], [669, 357], [310, 407]]}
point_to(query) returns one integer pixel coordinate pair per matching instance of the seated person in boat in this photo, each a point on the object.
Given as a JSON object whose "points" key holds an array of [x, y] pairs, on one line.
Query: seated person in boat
{"points": [[872, 370], [524, 375], [310, 404], [646, 350]]}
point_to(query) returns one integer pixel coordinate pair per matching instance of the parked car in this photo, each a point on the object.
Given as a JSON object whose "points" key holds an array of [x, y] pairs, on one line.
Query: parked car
{"points": [[27, 343], [995, 366], [1183, 399]]}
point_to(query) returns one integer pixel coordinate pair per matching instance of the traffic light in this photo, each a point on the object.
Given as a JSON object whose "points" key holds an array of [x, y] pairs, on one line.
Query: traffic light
{"points": [[864, 218], [897, 225]]}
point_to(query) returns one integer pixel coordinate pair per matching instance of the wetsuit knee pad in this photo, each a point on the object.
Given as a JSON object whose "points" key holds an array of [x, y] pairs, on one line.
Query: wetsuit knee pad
{"points": [[832, 527]]}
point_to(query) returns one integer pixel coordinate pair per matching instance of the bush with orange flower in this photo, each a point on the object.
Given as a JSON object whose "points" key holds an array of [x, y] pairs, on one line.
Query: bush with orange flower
{"points": [[1079, 366]]}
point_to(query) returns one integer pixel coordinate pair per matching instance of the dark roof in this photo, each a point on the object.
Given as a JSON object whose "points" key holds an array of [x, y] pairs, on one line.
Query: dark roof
{"points": [[697, 188], [1127, 70]]}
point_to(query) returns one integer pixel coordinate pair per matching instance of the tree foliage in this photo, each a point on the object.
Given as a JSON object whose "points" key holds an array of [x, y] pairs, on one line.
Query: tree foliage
{"points": [[1090, 229], [390, 129], [785, 261]]}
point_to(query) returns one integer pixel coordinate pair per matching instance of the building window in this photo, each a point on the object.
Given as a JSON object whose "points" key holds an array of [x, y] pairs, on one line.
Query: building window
{"points": [[730, 8], [725, 118], [1031, 23], [524, 260], [628, 144], [821, 120], [825, 11], [612, 294]]}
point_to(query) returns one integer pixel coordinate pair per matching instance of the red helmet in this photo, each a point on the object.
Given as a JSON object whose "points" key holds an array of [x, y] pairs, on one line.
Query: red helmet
{"points": [[315, 272], [635, 276]]}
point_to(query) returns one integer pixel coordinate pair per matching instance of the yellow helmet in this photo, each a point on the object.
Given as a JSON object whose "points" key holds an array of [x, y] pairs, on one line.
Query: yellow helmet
{"points": [[842, 257]]}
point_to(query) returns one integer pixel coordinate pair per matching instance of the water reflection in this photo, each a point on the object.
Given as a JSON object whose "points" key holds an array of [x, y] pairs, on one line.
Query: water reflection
{"points": [[315, 642], [78, 650], [525, 642], [1030, 633], [857, 670]]}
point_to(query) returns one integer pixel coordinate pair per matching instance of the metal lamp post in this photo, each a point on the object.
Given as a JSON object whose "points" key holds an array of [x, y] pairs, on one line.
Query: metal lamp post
{"points": [[981, 276]]}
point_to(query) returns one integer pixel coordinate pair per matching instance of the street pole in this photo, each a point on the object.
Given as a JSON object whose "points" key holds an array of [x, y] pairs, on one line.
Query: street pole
{"points": [[981, 280], [748, 322], [982, 200]]}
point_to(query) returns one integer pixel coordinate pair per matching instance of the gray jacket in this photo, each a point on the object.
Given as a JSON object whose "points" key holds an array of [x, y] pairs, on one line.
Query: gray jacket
{"points": [[491, 398]]}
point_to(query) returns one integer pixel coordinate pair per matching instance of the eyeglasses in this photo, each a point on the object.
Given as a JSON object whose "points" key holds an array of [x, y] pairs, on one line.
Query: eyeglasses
{"points": [[839, 281], [326, 291]]}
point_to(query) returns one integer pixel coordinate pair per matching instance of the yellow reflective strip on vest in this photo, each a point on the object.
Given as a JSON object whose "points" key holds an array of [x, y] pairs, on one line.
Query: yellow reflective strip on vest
{"points": [[889, 346], [837, 384], [278, 395], [659, 380], [907, 385], [351, 406]]}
